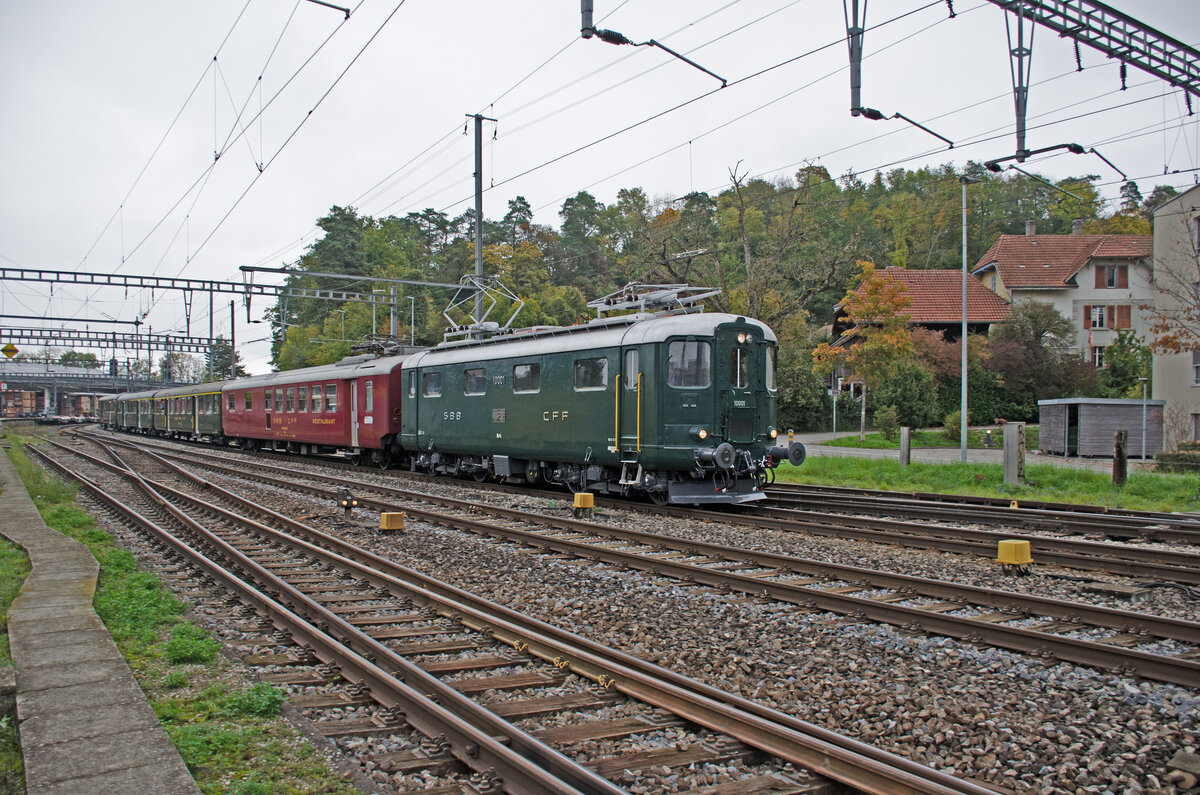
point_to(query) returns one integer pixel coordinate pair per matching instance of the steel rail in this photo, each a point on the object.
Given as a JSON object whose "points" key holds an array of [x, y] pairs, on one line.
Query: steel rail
{"points": [[471, 730], [1079, 651], [848, 761], [1113, 526]]}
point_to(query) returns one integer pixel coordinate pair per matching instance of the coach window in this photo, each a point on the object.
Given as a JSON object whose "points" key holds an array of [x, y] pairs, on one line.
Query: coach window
{"points": [[631, 369], [279, 399], [474, 382], [688, 364], [331, 397], [291, 399], [769, 373], [302, 399], [316, 398], [527, 378], [737, 368], [591, 374], [249, 400], [267, 400], [431, 384], [232, 401], [369, 397]]}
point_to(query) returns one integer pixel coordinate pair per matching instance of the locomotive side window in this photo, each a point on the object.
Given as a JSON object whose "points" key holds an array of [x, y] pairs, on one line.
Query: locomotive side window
{"points": [[631, 369], [369, 396], [331, 397], [302, 399], [769, 374], [316, 398], [591, 374], [527, 378], [474, 381], [267, 400], [249, 400], [431, 384], [291, 398], [688, 364], [737, 368]]}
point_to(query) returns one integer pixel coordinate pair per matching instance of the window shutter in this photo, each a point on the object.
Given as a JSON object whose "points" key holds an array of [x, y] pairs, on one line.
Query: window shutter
{"points": [[1087, 317], [1123, 276], [1099, 271], [1123, 316]]}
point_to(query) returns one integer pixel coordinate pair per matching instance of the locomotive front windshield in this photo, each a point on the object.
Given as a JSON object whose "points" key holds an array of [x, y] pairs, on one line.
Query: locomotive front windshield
{"points": [[689, 364], [769, 374]]}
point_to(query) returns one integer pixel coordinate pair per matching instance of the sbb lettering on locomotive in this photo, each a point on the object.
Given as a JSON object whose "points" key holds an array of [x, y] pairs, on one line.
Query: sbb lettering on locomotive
{"points": [[451, 415]]}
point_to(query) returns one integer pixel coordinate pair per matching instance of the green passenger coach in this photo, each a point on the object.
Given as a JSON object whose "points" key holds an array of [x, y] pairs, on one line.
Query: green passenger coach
{"points": [[680, 407]]}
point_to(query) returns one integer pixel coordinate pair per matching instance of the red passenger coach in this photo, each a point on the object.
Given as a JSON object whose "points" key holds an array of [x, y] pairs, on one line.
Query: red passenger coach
{"points": [[351, 407]]}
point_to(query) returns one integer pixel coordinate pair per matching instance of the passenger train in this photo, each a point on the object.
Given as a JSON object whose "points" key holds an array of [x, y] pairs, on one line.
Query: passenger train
{"points": [[677, 406]]}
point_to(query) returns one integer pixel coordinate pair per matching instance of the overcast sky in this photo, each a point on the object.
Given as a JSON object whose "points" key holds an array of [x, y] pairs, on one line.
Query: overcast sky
{"points": [[112, 113]]}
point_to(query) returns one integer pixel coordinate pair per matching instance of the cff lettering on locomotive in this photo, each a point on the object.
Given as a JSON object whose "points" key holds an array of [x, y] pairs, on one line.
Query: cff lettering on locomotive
{"points": [[679, 407]]}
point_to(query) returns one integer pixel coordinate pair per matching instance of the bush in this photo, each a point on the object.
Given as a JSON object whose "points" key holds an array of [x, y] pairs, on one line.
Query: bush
{"points": [[260, 701], [952, 426], [190, 644], [911, 393], [886, 421]]}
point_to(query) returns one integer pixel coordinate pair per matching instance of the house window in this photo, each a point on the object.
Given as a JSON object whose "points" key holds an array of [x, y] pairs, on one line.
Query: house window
{"points": [[1112, 275], [1098, 317], [1196, 427], [1098, 355], [1196, 234], [1195, 368], [992, 282]]}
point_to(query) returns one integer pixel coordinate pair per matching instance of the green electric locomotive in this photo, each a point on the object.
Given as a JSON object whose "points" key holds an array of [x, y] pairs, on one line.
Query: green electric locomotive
{"points": [[680, 407]]}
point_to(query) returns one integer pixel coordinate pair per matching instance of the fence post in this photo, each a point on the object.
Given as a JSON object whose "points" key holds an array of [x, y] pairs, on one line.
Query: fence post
{"points": [[1120, 465], [905, 445], [1014, 453]]}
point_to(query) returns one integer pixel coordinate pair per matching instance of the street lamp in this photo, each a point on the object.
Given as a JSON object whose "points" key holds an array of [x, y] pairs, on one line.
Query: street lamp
{"points": [[412, 320], [962, 416], [1143, 380]]}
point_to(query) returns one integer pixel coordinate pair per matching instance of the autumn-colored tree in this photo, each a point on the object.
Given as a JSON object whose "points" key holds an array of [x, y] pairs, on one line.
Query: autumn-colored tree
{"points": [[875, 305], [1175, 313]]}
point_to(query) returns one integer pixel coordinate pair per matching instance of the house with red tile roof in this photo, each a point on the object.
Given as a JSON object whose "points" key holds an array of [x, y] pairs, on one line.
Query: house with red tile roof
{"points": [[935, 298], [1095, 281]]}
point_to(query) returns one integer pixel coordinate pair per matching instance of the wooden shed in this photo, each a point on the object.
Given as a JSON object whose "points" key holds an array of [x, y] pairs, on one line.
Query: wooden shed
{"points": [[1085, 426]]}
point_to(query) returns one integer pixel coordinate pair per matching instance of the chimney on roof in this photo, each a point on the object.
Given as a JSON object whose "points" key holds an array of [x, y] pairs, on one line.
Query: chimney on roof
{"points": [[1077, 226], [1030, 227]]}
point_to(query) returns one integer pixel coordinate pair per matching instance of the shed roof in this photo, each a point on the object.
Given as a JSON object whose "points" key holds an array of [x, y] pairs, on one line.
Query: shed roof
{"points": [[1025, 261]]}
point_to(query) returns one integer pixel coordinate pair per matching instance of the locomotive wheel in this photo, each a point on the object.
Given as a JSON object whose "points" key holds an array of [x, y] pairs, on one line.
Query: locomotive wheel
{"points": [[479, 475], [659, 497], [385, 459]]}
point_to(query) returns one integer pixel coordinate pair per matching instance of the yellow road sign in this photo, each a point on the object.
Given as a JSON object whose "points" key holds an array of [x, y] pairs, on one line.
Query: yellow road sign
{"points": [[9, 350]]}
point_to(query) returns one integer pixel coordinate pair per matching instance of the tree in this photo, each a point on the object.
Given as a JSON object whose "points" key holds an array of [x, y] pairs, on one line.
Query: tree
{"points": [[1175, 313], [1125, 361], [218, 359], [77, 359], [875, 306], [910, 392], [1031, 354]]}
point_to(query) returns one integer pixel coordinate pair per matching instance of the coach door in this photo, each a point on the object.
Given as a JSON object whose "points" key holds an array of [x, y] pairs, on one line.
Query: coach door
{"points": [[354, 412], [736, 372], [629, 406]]}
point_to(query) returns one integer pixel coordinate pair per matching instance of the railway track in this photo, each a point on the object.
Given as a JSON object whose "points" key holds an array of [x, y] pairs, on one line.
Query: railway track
{"points": [[395, 635], [1034, 516], [1129, 642]]}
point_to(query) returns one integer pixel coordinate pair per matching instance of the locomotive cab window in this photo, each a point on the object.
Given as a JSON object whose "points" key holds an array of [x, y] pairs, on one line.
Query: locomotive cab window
{"points": [[431, 384], [474, 381], [527, 378], [302, 399], [631, 369], [737, 368], [688, 364], [591, 374], [769, 371], [316, 398], [331, 397]]}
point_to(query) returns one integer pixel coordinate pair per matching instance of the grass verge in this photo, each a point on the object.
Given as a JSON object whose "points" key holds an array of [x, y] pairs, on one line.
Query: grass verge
{"points": [[1148, 491], [936, 437], [229, 735]]}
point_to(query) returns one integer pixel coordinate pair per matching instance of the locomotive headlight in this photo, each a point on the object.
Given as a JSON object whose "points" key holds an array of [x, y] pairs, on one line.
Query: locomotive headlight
{"points": [[741, 338], [773, 433], [699, 432]]}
